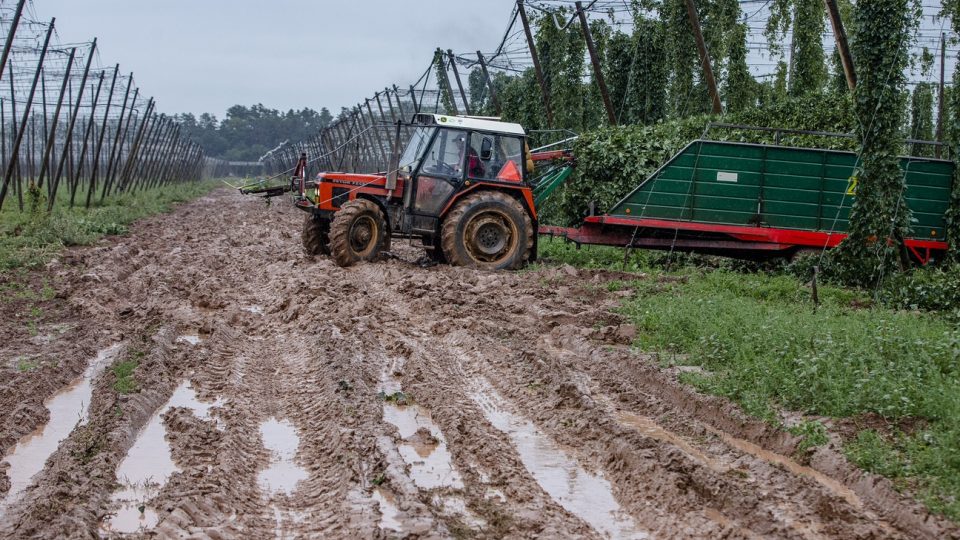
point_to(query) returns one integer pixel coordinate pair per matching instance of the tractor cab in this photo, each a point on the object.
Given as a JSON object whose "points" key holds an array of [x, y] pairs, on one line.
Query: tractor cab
{"points": [[449, 155]]}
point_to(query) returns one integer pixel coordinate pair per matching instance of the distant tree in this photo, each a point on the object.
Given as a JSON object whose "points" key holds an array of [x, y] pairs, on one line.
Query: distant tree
{"points": [[246, 133]]}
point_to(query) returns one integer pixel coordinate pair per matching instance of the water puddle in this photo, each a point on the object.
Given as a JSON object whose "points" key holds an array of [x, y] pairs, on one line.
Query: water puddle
{"points": [[389, 512], [148, 465], [423, 448], [191, 339], [588, 496], [68, 409], [255, 309], [132, 517], [650, 428], [748, 447], [282, 476]]}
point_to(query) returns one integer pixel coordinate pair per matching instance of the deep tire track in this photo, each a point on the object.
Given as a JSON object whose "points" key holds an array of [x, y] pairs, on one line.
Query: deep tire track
{"points": [[301, 340]]}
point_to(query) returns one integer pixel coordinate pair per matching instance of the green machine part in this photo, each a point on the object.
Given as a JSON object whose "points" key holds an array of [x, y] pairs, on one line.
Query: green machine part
{"points": [[781, 187], [549, 182]]}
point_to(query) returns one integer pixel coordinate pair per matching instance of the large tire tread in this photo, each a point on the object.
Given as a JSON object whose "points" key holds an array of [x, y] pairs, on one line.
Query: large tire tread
{"points": [[450, 233], [340, 248], [316, 236]]}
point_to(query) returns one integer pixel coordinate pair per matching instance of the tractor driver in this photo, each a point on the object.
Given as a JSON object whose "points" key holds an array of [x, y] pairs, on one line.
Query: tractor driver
{"points": [[474, 165]]}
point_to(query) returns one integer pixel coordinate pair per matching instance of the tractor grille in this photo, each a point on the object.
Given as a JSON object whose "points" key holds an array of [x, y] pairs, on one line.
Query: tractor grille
{"points": [[340, 196]]}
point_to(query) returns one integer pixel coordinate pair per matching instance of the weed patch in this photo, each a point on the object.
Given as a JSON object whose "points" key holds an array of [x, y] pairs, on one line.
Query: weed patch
{"points": [[125, 382], [31, 238], [761, 343]]}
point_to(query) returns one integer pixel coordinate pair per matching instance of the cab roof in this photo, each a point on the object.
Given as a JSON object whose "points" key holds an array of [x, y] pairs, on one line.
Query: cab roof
{"points": [[468, 122]]}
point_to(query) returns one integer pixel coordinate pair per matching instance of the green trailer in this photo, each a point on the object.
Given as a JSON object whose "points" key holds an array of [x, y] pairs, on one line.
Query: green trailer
{"points": [[761, 200]]}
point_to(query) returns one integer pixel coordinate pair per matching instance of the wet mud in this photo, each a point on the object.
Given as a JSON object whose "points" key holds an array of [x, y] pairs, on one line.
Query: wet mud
{"points": [[279, 396]]}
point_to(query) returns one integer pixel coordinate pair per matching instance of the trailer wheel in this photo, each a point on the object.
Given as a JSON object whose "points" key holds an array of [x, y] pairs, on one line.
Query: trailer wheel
{"points": [[358, 232], [316, 236], [489, 230]]}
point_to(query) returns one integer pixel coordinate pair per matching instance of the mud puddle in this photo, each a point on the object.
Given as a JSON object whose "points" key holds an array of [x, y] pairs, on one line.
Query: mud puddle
{"points": [[190, 339], [280, 437], [149, 465], [423, 446], [588, 496], [68, 409], [389, 511], [255, 309]]}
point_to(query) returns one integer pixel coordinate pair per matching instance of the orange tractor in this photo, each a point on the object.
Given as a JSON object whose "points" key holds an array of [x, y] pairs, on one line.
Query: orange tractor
{"points": [[461, 186]]}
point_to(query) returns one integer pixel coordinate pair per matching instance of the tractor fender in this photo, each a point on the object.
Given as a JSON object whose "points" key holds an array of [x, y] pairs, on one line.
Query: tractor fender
{"points": [[521, 193], [383, 208]]}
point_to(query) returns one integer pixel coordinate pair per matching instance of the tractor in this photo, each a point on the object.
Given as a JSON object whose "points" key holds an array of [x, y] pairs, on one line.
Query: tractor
{"points": [[461, 186]]}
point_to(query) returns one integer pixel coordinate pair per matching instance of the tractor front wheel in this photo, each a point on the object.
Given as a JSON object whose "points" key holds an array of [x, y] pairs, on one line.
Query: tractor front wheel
{"points": [[358, 232], [489, 230], [316, 236]]}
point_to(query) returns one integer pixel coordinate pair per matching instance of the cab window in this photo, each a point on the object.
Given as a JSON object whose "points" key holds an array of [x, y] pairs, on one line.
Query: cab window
{"points": [[415, 149], [495, 157], [445, 157]]}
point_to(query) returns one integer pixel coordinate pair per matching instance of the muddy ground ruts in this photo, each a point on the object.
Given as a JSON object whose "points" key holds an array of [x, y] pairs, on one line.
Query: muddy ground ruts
{"points": [[427, 402]]}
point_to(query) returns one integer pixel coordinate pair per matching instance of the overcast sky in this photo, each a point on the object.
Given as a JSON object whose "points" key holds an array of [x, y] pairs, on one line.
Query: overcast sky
{"points": [[206, 55]]}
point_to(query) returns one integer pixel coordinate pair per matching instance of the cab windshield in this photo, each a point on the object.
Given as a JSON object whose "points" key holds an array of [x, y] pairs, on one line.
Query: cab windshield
{"points": [[415, 149]]}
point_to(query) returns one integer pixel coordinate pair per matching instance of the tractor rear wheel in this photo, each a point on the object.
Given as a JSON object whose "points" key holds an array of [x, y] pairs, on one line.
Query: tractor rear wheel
{"points": [[316, 236], [489, 230], [358, 232]]}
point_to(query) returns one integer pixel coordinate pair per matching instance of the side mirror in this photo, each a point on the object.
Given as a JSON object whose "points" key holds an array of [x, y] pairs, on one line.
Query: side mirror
{"points": [[486, 149]]}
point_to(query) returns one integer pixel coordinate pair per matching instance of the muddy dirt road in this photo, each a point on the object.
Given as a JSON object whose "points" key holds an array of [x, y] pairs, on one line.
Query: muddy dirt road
{"points": [[208, 380]]}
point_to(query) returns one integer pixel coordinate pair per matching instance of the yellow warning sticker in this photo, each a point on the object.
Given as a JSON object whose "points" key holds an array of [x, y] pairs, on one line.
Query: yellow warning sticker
{"points": [[852, 186]]}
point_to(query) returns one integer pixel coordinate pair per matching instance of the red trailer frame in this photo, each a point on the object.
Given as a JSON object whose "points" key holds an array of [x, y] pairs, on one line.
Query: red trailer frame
{"points": [[716, 239]]}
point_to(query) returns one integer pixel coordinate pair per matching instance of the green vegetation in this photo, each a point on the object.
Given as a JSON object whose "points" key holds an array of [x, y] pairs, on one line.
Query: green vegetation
{"points": [[762, 344], [813, 434], [250, 132], [125, 382], [25, 365], [398, 398], [879, 218], [31, 239]]}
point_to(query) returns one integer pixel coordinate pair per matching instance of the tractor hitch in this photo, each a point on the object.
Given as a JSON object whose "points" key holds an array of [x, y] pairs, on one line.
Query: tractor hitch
{"points": [[272, 191]]}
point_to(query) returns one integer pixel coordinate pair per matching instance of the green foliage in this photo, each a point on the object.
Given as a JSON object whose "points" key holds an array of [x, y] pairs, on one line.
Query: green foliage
{"points": [[828, 112], [613, 161], [812, 433], [24, 365], [928, 289], [740, 89], [446, 90], [763, 345], [871, 452], [925, 461], [563, 59], [635, 73], [249, 132], [125, 382], [31, 239], [809, 72], [519, 97], [879, 218], [921, 108], [952, 216], [481, 104], [686, 96]]}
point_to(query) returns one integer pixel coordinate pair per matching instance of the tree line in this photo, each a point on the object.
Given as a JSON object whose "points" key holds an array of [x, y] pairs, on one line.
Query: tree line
{"points": [[247, 133]]}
